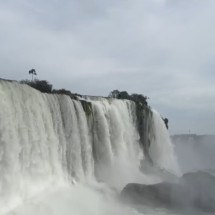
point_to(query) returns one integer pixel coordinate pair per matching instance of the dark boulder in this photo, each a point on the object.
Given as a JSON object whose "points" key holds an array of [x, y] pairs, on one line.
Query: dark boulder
{"points": [[192, 190]]}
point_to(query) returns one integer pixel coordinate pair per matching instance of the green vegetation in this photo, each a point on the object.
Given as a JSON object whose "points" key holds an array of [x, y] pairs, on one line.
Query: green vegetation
{"points": [[138, 98], [87, 106], [44, 87], [143, 115], [142, 109], [65, 92], [141, 104], [32, 72], [41, 85]]}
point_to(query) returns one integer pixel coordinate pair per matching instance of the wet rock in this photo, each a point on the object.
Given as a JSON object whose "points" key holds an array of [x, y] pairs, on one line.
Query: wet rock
{"points": [[192, 190]]}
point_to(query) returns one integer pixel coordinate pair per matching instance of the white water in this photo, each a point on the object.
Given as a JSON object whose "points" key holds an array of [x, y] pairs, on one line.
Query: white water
{"points": [[161, 149], [47, 143]]}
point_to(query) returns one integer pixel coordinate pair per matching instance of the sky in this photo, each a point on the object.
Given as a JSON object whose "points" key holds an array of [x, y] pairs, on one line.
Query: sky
{"points": [[164, 49]]}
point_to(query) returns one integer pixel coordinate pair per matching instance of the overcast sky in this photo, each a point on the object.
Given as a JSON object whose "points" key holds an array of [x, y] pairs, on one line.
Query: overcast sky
{"points": [[160, 48]]}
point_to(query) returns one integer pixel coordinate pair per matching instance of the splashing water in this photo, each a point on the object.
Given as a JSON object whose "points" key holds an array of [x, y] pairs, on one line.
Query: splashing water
{"points": [[161, 148], [47, 142]]}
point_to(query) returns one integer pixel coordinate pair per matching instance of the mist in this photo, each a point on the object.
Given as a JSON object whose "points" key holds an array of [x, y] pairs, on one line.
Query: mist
{"points": [[160, 48], [63, 153], [78, 199], [195, 152]]}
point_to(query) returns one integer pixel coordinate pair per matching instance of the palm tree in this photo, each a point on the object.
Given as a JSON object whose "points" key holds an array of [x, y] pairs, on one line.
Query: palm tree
{"points": [[33, 72]]}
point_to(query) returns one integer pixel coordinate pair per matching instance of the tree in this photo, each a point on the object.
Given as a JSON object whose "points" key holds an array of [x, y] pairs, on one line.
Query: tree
{"points": [[65, 92], [138, 98], [123, 95], [32, 72], [41, 85], [114, 94], [119, 94]]}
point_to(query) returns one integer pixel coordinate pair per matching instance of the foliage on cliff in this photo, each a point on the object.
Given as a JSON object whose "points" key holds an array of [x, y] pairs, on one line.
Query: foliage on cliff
{"points": [[65, 92], [143, 115], [142, 108], [41, 85], [87, 107], [138, 98], [44, 87]]}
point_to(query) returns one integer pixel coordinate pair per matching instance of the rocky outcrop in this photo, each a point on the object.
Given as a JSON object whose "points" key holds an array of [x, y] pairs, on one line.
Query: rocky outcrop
{"points": [[192, 190]]}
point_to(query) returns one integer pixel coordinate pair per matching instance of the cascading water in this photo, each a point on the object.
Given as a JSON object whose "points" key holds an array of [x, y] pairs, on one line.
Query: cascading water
{"points": [[49, 140], [161, 150]]}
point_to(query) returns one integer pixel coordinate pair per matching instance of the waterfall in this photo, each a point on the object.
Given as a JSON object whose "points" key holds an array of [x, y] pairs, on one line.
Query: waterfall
{"points": [[161, 149], [47, 140]]}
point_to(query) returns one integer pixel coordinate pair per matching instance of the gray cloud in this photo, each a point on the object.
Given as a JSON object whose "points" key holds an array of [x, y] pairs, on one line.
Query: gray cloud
{"points": [[161, 48]]}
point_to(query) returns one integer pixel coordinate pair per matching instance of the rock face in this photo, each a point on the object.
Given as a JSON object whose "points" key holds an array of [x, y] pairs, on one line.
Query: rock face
{"points": [[192, 190]]}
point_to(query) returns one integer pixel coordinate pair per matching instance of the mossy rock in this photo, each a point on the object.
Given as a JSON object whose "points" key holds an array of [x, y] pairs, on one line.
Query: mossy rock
{"points": [[143, 114], [87, 106]]}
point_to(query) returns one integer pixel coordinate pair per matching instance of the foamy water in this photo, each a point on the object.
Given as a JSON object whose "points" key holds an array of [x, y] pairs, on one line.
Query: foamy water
{"points": [[48, 143]]}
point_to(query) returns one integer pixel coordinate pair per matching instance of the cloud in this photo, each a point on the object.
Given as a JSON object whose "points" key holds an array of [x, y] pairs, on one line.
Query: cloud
{"points": [[161, 48]]}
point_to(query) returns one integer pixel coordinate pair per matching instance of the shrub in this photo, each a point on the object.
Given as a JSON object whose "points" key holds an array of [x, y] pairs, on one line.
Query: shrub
{"points": [[65, 92], [138, 98], [41, 85]]}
